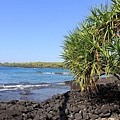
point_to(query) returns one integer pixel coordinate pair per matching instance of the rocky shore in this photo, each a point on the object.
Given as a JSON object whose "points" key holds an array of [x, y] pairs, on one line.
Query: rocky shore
{"points": [[71, 105]]}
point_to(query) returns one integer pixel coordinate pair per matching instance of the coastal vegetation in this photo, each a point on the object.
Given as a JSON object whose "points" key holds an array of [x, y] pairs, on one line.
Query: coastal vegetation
{"points": [[34, 64], [93, 48]]}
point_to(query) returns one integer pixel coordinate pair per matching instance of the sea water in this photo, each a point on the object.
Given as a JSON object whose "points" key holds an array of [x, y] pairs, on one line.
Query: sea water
{"points": [[37, 84]]}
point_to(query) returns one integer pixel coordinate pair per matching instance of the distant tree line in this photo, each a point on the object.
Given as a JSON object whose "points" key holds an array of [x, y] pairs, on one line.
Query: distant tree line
{"points": [[34, 64]]}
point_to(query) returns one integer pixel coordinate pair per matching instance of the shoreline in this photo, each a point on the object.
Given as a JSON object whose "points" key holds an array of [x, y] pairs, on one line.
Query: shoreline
{"points": [[67, 106]]}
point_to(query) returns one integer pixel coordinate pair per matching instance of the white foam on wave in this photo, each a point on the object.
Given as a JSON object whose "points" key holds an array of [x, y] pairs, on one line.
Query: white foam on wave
{"points": [[49, 73], [59, 73], [54, 73], [22, 87], [60, 83], [8, 89], [66, 73]]}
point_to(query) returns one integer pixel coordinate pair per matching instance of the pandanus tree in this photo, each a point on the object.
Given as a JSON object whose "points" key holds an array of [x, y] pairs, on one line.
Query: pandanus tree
{"points": [[93, 48]]}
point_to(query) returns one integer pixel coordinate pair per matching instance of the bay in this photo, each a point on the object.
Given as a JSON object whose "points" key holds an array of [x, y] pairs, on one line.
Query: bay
{"points": [[37, 84]]}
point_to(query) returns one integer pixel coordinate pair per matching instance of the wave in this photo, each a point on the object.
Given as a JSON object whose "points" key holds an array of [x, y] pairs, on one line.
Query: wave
{"points": [[23, 86], [60, 83], [59, 73], [29, 86]]}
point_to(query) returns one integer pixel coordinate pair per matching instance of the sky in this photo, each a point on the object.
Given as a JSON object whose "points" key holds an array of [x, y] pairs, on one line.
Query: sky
{"points": [[34, 30]]}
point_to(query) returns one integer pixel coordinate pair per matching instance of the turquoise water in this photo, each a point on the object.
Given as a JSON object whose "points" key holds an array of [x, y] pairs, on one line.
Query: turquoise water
{"points": [[32, 83]]}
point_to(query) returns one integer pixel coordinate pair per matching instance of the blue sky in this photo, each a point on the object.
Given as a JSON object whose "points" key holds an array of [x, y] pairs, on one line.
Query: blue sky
{"points": [[33, 30]]}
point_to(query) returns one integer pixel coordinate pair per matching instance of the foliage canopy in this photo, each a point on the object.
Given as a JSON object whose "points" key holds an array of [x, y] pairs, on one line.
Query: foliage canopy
{"points": [[93, 48]]}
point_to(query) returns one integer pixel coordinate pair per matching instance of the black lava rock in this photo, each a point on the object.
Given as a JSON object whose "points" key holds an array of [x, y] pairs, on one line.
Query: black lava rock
{"points": [[68, 106]]}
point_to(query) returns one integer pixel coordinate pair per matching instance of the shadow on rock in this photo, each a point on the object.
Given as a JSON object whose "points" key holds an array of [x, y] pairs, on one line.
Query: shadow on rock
{"points": [[63, 111]]}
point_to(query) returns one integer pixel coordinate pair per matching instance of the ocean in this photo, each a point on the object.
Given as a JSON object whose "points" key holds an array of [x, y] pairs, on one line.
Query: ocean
{"points": [[36, 84]]}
